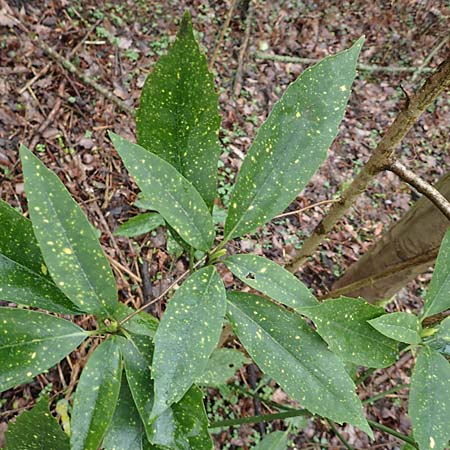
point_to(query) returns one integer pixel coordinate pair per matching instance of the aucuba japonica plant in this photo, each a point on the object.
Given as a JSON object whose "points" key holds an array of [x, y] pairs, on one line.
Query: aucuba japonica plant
{"points": [[139, 388]]}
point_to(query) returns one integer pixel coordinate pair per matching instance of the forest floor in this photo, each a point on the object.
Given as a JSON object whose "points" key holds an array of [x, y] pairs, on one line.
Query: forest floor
{"points": [[117, 43]]}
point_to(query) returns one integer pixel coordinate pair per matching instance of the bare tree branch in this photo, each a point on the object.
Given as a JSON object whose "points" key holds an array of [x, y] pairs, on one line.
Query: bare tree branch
{"points": [[422, 186]]}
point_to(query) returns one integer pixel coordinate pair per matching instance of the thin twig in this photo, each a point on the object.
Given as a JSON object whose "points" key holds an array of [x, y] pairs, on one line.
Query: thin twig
{"points": [[422, 186], [163, 294], [69, 55], [84, 77], [385, 393], [222, 34], [430, 56], [392, 432], [366, 67], [298, 211], [339, 435], [242, 52]]}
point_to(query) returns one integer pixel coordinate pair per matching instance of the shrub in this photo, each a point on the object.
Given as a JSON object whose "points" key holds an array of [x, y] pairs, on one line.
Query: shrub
{"points": [[138, 389]]}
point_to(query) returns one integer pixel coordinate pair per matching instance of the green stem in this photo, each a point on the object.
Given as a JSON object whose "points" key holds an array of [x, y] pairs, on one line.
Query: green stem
{"points": [[191, 258], [392, 432], [339, 436], [364, 376], [258, 419], [383, 394]]}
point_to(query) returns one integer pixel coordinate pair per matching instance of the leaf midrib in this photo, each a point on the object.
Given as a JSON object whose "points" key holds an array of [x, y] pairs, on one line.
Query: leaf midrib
{"points": [[352, 330], [75, 252], [39, 340], [290, 354]]}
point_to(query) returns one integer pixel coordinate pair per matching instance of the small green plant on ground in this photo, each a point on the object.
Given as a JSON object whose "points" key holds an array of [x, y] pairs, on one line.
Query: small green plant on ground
{"points": [[139, 388]]}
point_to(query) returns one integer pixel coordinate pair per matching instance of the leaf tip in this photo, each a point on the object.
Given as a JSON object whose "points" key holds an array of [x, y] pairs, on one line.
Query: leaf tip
{"points": [[186, 24]]}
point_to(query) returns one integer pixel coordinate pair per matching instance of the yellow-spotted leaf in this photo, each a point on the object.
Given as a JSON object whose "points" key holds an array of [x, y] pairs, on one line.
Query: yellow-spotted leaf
{"points": [[126, 431], [400, 326], [187, 335], [290, 352], [67, 240], [429, 400], [170, 193], [96, 397], [178, 116], [184, 426], [36, 430], [344, 324], [292, 143], [437, 298], [271, 279], [24, 277], [140, 224], [32, 342]]}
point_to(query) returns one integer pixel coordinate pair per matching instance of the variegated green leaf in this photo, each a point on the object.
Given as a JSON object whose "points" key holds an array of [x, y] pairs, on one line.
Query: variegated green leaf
{"points": [[140, 224], [172, 195], [429, 400], [292, 143], [400, 326], [222, 365], [440, 341], [137, 354], [36, 430], [271, 279], [277, 440], [32, 342], [125, 432], [184, 426], [178, 116], [187, 335], [67, 240], [24, 278], [141, 323], [437, 298], [343, 323], [290, 352], [96, 397]]}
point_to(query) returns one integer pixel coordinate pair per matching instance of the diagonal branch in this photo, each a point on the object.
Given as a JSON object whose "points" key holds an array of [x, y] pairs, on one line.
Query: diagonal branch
{"points": [[422, 186], [382, 158]]}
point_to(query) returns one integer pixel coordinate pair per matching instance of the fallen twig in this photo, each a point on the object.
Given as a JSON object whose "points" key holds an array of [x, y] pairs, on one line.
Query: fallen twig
{"points": [[222, 34], [360, 66]]}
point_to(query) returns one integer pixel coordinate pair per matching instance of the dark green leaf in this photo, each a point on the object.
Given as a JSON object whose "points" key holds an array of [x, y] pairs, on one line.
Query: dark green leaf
{"points": [[96, 397], [343, 323], [429, 400], [178, 116], [287, 350], [278, 440], [31, 342], [399, 326], [137, 353], [24, 277], [174, 249], [125, 432], [187, 335], [292, 143], [36, 430], [142, 323], [437, 298], [441, 340], [184, 426], [140, 224], [68, 243], [172, 195], [222, 365], [271, 279]]}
